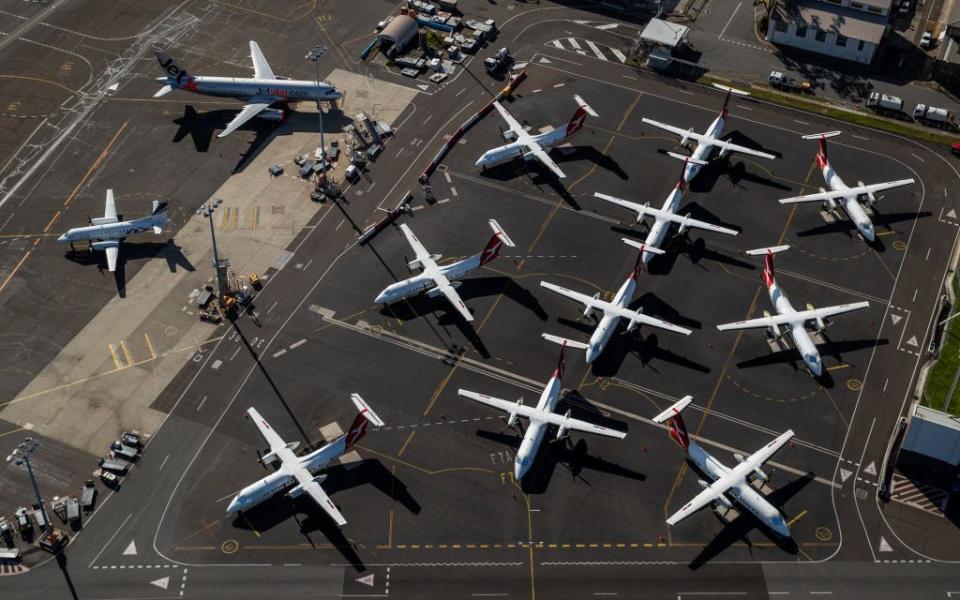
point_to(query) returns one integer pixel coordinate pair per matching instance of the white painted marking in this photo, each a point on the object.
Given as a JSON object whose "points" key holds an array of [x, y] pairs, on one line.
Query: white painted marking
{"points": [[298, 344], [131, 549], [555, 44], [912, 342], [423, 87], [844, 475], [460, 92], [557, 85], [446, 175], [545, 61], [730, 20], [427, 120], [280, 353], [885, 382], [596, 50], [164, 462], [366, 580], [573, 43], [917, 157], [895, 318], [629, 77], [927, 257], [952, 214], [800, 122], [915, 292], [620, 55], [216, 364], [606, 26], [860, 137], [200, 405], [871, 468], [161, 583], [453, 191], [885, 545]]}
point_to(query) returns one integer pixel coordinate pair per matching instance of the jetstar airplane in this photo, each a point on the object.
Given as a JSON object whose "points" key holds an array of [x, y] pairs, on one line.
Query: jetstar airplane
{"points": [[709, 140], [301, 472], [535, 146], [436, 280], [108, 232], [616, 309], [796, 321], [729, 485], [260, 92], [542, 415], [667, 214], [841, 195]]}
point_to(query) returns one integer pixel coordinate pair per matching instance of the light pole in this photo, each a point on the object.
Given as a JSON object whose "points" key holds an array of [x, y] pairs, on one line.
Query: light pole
{"points": [[21, 456], [207, 211], [314, 54]]}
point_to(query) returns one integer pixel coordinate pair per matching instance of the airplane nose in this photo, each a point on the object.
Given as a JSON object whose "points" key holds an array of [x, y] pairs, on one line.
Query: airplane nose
{"points": [[592, 354], [868, 233], [647, 256], [519, 469], [62, 238], [381, 298], [234, 506], [816, 366]]}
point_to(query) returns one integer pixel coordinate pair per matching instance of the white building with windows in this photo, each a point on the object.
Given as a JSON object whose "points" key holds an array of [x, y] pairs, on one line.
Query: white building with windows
{"points": [[847, 29]]}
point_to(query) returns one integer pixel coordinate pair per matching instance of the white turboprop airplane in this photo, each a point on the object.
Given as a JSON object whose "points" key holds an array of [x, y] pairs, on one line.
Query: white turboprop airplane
{"points": [[841, 195], [709, 140], [786, 315], [106, 232], [535, 146], [728, 485], [437, 280], [616, 309], [260, 91], [542, 415], [667, 214], [301, 472]]}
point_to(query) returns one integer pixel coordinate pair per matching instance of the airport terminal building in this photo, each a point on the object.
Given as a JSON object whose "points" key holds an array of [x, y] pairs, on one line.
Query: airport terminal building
{"points": [[847, 29]]}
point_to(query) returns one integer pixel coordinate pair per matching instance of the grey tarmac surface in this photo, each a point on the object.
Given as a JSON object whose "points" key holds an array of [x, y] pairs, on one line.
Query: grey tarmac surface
{"points": [[432, 510]]}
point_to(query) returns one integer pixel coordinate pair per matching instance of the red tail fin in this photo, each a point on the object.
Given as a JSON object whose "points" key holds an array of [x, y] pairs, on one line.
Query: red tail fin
{"points": [[492, 250], [678, 431], [357, 429], [768, 274], [577, 121], [681, 184], [638, 266], [561, 363], [822, 153], [726, 102]]}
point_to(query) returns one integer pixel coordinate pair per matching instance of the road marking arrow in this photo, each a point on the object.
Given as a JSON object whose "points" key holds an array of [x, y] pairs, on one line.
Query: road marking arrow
{"points": [[844, 475], [545, 60], [913, 341], [951, 215], [131, 549], [366, 580], [895, 318], [884, 545], [871, 468], [161, 583]]}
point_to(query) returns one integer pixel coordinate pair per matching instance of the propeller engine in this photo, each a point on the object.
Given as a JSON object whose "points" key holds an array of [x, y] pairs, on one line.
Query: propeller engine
{"points": [[756, 473], [774, 330], [633, 322], [819, 324], [589, 310], [829, 204], [721, 499], [871, 198], [415, 264], [512, 419], [271, 456], [433, 293], [686, 138], [562, 431]]}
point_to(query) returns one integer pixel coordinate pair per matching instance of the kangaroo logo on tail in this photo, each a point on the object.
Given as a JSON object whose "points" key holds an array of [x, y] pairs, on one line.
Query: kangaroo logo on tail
{"points": [[678, 431], [492, 250], [357, 429], [768, 275], [576, 123], [822, 153]]}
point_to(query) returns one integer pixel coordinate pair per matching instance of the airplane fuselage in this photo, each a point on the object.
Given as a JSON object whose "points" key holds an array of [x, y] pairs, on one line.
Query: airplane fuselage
{"points": [[608, 323], [113, 231], [658, 231], [703, 151], [801, 338], [532, 437], [517, 149], [280, 90], [418, 284], [850, 203], [741, 491]]}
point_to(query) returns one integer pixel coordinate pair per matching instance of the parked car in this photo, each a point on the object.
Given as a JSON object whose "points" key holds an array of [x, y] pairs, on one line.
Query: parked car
{"points": [[926, 40]]}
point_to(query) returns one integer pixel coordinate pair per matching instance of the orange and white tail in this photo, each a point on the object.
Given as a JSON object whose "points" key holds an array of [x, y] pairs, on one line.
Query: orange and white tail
{"points": [[499, 239], [576, 122], [673, 417], [769, 277], [821, 138], [365, 417]]}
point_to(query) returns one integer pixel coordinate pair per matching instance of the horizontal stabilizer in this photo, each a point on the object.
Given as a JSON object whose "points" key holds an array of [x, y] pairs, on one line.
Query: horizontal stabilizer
{"points": [[817, 136], [583, 104], [366, 411], [562, 340], [688, 159], [770, 249], [503, 234], [674, 410], [733, 91], [163, 91], [641, 246]]}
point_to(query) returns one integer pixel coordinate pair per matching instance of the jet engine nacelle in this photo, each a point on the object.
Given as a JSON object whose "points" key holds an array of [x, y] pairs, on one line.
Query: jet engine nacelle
{"points": [[271, 456], [297, 490], [818, 324], [436, 291], [562, 431], [272, 114], [721, 499], [415, 264]]}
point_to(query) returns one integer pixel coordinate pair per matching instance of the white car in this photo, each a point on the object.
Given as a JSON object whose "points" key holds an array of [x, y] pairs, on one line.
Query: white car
{"points": [[926, 41]]}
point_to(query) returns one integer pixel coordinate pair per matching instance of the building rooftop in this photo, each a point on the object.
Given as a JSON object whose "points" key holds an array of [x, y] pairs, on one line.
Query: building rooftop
{"points": [[851, 23], [664, 33], [935, 416]]}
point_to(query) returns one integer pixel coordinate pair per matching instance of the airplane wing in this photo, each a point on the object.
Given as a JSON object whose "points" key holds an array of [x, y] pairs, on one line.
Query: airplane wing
{"points": [[110, 210], [261, 69], [540, 154], [309, 485], [454, 298], [583, 299], [639, 317], [111, 251], [269, 435], [249, 111], [798, 317], [643, 210], [763, 454], [705, 497], [708, 141], [854, 191], [512, 123], [425, 258], [531, 412]]}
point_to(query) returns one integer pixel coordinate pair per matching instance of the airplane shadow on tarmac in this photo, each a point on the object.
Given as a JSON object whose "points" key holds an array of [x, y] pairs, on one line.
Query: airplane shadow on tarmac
{"points": [[280, 508], [835, 349], [738, 529], [844, 225], [696, 250], [131, 251]]}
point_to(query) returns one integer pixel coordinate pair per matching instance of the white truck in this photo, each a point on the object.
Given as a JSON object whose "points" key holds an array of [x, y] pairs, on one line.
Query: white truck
{"points": [[884, 102], [937, 117]]}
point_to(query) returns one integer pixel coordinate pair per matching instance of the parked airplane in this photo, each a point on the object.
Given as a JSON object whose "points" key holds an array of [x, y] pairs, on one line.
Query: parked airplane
{"points": [[729, 485], [616, 309], [841, 195], [667, 214], [535, 146], [301, 472], [710, 139], [260, 92], [106, 232], [436, 280], [542, 415], [797, 321]]}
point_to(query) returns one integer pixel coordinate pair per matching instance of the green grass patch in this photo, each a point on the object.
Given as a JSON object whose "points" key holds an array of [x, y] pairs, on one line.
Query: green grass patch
{"points": [[434, 40], [793, 100], [941, 375]]}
